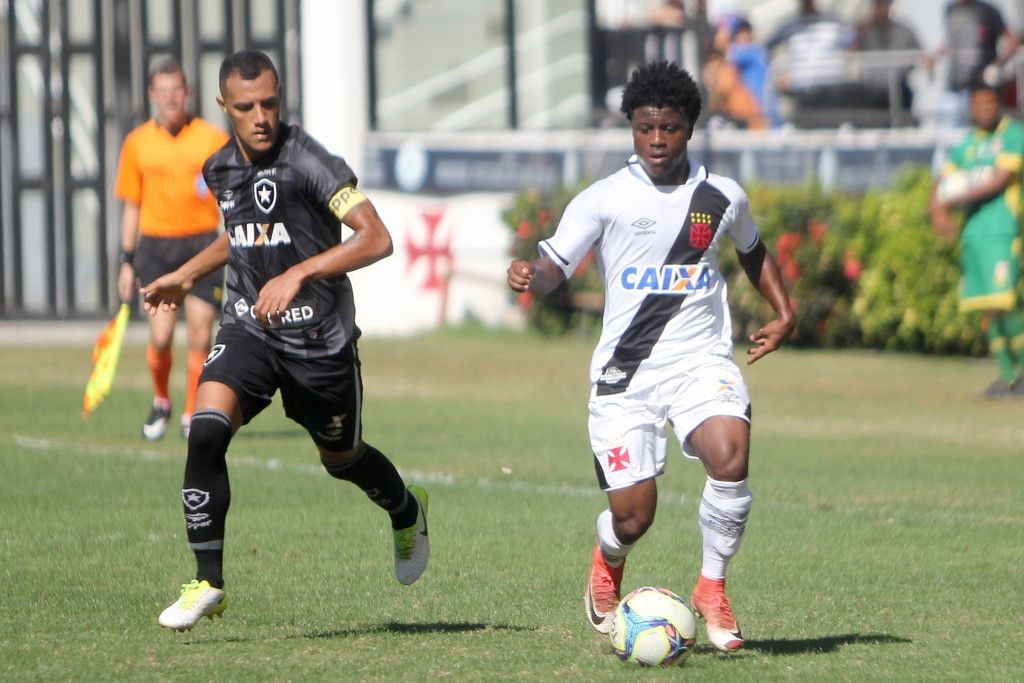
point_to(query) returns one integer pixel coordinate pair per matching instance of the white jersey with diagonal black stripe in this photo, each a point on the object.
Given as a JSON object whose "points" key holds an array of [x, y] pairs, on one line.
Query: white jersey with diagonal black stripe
{"points": [[657, 250]]}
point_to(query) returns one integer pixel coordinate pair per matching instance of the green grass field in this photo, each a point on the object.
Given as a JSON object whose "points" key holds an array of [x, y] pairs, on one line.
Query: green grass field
{"points": [[885, 542]]}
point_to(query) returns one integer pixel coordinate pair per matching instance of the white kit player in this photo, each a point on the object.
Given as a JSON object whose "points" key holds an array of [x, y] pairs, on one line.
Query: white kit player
{"points": [[665, 352]]}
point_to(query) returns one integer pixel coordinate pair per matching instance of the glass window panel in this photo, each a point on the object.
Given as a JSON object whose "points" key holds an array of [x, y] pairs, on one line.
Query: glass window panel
{"points": [[263, 19], [85, 209], [84, 121], [81, 22], [206, 100], [211, 21], [28, 21], [34, 274], [160, 20], [287, 86], [31, 122], [551, 64], [441, 65]]}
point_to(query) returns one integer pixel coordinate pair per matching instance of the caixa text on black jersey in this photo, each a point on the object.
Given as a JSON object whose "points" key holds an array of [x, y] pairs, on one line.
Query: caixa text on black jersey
{"points": [[259, 235]]}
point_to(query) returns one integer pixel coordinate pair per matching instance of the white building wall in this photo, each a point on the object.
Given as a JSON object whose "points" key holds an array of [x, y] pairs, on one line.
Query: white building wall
{"points": [[450, 254]]}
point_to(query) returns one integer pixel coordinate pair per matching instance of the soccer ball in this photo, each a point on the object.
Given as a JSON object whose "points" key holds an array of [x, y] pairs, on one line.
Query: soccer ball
{"points": [[653, 627], [956, 184]]}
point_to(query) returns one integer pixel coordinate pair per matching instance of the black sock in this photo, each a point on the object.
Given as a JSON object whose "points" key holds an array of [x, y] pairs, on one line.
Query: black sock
{"points": [[206, 494], [372, 472], [210, 566]]}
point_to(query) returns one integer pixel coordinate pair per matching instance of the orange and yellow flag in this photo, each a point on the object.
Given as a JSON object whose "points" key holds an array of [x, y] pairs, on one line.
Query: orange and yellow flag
{"points": [[105, 354]]}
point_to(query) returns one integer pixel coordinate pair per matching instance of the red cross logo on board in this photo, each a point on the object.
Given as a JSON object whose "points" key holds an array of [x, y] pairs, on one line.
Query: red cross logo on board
{"points": [[618, 458], [437, 252]]}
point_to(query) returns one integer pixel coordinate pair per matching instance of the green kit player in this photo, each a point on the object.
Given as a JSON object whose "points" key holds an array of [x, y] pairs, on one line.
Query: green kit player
{"points": [[988, 163]]}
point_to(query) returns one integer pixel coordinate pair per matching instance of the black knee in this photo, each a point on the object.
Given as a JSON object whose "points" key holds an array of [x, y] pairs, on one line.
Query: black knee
{"points": [[630, 527], [342, 467], [209, 434]]}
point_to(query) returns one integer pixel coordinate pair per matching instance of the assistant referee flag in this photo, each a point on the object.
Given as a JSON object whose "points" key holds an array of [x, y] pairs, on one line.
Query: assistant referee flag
{"points": [[105, 354]]}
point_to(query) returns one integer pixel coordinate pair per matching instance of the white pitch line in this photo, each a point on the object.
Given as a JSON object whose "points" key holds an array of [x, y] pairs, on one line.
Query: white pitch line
{"points": [[275, 465], [506, 484]]}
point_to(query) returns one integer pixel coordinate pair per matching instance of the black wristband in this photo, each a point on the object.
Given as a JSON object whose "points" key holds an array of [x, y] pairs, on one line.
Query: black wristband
{"points": [[125, 257]]}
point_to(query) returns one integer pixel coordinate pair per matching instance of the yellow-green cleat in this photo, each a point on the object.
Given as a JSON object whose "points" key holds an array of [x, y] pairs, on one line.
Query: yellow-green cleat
{"points": [[412, 545], [198, 599]]}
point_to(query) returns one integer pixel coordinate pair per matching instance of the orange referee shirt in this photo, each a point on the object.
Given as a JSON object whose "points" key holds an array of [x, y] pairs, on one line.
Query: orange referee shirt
{"points": [[163, 175]]}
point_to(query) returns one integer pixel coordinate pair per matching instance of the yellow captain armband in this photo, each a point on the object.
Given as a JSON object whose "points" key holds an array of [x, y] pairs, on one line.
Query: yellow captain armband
{"points": [[344, 199]]}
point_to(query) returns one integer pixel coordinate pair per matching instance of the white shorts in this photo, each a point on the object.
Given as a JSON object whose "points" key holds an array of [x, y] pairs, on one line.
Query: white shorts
{"points": [[628, 431]]}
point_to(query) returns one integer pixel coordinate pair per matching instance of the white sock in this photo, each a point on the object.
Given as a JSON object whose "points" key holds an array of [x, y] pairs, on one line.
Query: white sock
{"points": [[614, 550], [722, 517]]}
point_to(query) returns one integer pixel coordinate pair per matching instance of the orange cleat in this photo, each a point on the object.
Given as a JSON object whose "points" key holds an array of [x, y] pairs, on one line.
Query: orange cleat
{"points": [[710, 602], [602, 596]]}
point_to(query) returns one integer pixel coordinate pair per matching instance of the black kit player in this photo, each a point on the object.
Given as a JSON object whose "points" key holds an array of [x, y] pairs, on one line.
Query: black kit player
{"points": [[288, 324], [665, 353]]}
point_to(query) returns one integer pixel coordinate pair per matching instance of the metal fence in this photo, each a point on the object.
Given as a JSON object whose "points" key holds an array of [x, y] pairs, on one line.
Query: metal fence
{"points": [[72, 84]]}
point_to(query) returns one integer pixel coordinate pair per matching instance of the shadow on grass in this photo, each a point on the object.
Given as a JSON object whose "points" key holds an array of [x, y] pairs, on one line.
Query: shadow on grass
{"points": [[800, 646], [371, 629], [414, 629]]}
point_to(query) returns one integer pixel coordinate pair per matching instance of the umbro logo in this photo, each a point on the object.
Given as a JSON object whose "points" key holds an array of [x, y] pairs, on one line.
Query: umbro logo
{"points": [[643, 223]]}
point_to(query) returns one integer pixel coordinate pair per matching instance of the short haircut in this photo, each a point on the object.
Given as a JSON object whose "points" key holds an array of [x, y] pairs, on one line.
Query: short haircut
{"points": [[248, 64], [168, 66], [662, 84]]}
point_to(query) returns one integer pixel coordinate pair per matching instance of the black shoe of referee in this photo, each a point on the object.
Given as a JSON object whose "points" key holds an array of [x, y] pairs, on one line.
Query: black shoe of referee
{"points": [[156, 424]]}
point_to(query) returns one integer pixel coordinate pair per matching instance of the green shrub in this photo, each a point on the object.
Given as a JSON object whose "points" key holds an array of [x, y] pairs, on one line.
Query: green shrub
{"points": [[576, 304], [907, 299], [811, 249]]}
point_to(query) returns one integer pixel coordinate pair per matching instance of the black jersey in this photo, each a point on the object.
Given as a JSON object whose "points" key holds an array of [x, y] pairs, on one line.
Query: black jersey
{"points": [[277, 213]]}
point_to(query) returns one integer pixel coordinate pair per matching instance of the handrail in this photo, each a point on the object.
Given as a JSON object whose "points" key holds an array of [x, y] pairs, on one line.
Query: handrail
{"points": [[896, 63], [479, 65]]}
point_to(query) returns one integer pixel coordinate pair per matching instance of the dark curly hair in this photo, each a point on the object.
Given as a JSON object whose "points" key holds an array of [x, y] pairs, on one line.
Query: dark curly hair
{"points": [[662, 84]]}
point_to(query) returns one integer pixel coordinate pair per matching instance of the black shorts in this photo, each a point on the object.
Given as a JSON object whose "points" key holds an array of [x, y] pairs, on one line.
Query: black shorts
{"points": [[324, 395], [156, 256]]}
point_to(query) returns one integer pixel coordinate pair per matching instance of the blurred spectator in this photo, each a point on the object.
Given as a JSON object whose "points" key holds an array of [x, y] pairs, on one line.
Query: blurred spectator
{"points": [[879, 32], [973, 32], [730, 102], [669, 13], [630, 33], [814, 44], [736, 38]]}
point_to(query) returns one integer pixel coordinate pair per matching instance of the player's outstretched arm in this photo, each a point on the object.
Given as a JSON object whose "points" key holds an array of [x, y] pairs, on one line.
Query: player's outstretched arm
{"points": [[539, 276], [168, 291], [764, 273]]}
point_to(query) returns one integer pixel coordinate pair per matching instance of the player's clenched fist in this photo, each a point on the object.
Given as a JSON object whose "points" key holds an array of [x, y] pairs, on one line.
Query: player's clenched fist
{"points": [[520, 274], [165, 293]]}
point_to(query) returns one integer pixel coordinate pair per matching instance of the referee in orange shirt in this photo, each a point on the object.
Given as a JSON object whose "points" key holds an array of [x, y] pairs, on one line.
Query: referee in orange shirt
{"points": [[169, 216]]}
